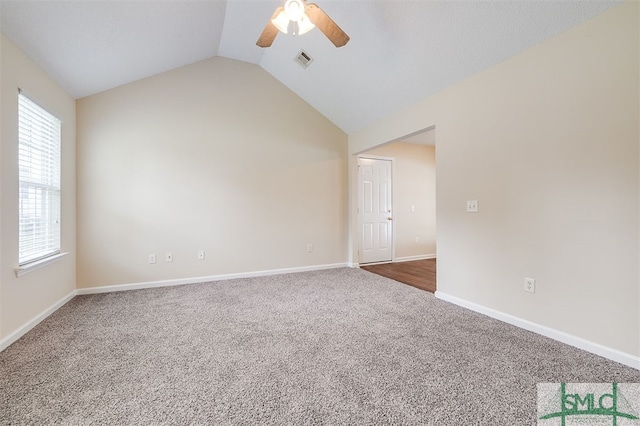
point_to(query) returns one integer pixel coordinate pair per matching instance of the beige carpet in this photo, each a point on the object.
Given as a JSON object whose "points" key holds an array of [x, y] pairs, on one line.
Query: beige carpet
{"points": [[331, 347]]}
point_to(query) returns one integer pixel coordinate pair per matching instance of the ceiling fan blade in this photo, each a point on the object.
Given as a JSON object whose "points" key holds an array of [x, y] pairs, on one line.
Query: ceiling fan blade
{"points": [[270, 31], [326, 25]]}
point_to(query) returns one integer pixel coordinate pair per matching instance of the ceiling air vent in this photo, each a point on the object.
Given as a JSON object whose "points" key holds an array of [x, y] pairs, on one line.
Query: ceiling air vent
{"points": [[304, 59]]}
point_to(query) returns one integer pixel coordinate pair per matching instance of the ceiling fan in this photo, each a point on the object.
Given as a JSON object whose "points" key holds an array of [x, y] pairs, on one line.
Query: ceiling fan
{"points": [[298, 17]]}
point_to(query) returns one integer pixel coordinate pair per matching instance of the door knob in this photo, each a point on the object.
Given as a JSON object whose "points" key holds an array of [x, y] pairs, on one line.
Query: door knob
{"points": [[389, 218]]}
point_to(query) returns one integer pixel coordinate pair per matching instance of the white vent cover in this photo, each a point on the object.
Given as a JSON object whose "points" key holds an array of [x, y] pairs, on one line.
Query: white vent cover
{"points": [[304, 59]]}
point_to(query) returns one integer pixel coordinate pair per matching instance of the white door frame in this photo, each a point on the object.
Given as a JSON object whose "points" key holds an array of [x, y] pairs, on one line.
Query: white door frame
{"points": [[393, 207]]}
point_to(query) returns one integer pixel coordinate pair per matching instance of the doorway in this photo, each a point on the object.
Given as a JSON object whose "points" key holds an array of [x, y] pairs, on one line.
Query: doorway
{"points": [[413, 210]]}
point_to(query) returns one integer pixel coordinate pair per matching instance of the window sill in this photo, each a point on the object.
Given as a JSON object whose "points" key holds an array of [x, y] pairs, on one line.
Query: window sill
{"points": [[25, 269]]}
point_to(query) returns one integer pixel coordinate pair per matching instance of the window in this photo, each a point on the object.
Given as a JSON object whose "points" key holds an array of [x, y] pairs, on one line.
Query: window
{"points": [[39, 177]]}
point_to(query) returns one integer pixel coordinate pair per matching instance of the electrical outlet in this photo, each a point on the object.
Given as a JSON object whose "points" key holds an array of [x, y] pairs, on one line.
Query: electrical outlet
{"points": [[168, 257], [472, 206], [152, 258], [530, 285], [416, 240], [309, 248], [200, 254]]}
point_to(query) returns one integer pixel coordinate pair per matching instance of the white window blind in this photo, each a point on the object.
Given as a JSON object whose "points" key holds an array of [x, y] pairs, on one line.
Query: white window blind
{"points": [[39, 176]]}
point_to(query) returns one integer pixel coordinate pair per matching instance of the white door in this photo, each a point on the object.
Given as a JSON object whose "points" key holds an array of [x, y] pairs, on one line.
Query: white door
{"points": [[374, 210]]}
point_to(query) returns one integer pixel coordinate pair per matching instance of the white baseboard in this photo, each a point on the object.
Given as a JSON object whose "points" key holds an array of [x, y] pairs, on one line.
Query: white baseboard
{"points": [[410, 258], [13, 337], [397, 260], [196, 280], [578, 342]]}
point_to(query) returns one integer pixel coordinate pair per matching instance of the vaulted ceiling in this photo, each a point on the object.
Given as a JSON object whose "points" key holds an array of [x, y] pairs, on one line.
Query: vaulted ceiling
{"points": [[400, 51]]}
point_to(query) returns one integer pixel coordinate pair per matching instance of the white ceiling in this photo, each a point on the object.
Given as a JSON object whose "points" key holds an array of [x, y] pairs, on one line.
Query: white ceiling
{"points": [[400, 51]]}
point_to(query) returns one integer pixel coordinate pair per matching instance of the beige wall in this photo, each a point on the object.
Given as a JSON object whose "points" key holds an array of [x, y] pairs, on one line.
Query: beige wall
{"points": [[215, 156], [547, 141], [22, 299], [414, 184]]}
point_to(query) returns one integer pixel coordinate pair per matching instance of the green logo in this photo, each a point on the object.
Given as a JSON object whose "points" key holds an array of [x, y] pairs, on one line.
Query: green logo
{"points": [[587, 403]]}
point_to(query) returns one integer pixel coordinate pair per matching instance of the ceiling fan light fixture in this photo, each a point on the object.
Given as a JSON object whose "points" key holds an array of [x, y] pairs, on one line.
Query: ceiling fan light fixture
{"points": [[294, 17], [281, 22], [294, 9], [304, 25]]}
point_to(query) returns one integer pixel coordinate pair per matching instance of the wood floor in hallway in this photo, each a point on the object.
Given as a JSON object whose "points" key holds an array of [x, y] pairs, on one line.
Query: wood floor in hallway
{"points": [[416, 273]]}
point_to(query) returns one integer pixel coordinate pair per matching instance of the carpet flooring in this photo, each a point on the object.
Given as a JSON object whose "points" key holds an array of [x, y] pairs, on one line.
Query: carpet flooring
{"points": [[331, 347]]}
